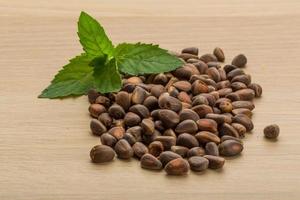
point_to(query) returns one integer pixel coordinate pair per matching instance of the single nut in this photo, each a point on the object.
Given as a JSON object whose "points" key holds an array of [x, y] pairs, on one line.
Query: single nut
{"points": [[103, 100], [165, 101], [92, 95], [151, 102], [131, 119], [246, 79], [230, 148], [147, 126], [157, 90], [198, 163], [136, 131], [108, 139], [169, 118], [139, 149], [97, 127], [123, 99], [202, 110], [239, 128], [238, 86], [190, 50], [183, 85], [215, 162], [138, 96], [184, 97], [155, 148], [140, 110], [186, 126], [116, 111], [211, 149], [256, 88], [227, 129], [204, 137], [178, 166], [184, 72], [225, 107], [130, 138], [196, 151], [244, 120], [187, 140], [148, 161], [118, 132], [160, 79], [201, 66], [245, 94], [271, 131], [239, 60], [123, 149], [96, 109], [199, 100], [105, 119], [207, 125], [180, 150], [102, 153], [134, 80], [243, 104], [199, 87], [208, 58], [188, 114], [214, 74], [218, 52]]}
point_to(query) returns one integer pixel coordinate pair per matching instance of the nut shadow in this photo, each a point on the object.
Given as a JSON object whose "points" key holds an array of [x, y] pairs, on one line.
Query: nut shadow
{"points": [[270, 140], [171, 177], [233, 157]]}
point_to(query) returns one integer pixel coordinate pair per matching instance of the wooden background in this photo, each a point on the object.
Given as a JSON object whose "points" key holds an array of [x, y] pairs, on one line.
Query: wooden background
{"points": [[44, 144]]}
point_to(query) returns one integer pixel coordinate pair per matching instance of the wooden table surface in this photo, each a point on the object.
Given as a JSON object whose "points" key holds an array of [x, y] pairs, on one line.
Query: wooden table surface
{"points": [[45, 144]]}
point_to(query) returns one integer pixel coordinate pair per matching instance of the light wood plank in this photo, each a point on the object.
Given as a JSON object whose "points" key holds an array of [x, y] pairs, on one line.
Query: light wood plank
{"points": [[45, 144]]}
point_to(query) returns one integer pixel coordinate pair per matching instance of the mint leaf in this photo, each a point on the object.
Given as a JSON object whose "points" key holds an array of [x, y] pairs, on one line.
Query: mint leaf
{"points": [[99, 67], [107, 77], [141, 58], [93, 37], [76, 78]]}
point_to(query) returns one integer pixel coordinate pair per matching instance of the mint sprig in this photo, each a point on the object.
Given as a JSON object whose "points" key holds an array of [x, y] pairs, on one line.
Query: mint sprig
{"points": [[102, 65]]}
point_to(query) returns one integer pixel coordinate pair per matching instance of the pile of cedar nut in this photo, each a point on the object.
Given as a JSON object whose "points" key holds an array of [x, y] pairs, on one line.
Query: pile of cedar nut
{"points": [[189, 118]]}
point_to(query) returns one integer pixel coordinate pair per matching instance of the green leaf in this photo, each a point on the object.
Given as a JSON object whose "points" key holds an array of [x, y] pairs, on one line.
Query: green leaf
{"points": [[93, 37], [76, 78], [141, 58], [107, 77], [100, 60]]}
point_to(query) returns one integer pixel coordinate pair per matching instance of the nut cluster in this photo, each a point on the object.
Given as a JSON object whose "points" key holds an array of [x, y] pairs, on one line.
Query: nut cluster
{"points": [[189, 118]]}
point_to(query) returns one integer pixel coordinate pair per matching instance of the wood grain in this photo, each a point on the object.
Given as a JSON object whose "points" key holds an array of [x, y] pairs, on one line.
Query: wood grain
{"points": [[44, 144]]}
